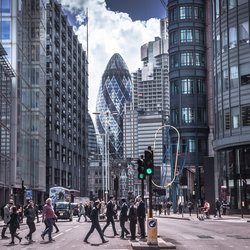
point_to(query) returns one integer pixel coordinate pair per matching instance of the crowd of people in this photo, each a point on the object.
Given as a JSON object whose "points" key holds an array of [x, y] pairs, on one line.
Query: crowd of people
{"points": [[133, 211]]}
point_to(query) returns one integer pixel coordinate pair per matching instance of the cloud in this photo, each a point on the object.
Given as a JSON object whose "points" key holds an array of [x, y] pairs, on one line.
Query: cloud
{"points": [[109, 32]]}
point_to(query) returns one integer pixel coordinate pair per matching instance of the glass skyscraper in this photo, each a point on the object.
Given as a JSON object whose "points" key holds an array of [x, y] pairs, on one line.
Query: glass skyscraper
{"points": [[114, 92]]}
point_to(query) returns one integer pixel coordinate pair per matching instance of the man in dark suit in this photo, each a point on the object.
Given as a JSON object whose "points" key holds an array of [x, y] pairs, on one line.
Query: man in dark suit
{"points": [[141, 214], [95, 223], [110, 216], [123, 218], [132, 219]]}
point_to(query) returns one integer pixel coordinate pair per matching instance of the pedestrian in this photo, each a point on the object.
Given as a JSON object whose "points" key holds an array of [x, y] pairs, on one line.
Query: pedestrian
{"points": [[30, 214], [14, 225], [224, 207], [81, 212], [48, 217], [37, 213], [169, 205], [95, 223], [206, 208], [110, 216], [190, 206], [164, 207], [141, 214], [6, 217], [55, 226], [132, 216], [217, 207], [123, 218]]}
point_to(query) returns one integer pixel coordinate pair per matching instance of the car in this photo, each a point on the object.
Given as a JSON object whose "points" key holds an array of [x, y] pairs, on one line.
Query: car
{"points": [[63, 210], [74, 208]]}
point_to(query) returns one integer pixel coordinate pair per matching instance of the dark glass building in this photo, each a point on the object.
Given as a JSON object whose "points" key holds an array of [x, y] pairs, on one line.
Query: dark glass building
{"points": [[231, 101], [114, 92], [188, 86]]}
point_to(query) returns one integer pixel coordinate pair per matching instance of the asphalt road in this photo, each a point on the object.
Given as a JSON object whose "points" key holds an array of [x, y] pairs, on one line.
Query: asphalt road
{"points": [[205, 235]]}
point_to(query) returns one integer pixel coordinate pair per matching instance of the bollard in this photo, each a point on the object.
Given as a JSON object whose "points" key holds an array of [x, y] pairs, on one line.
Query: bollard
{"points": [[152, 231]]}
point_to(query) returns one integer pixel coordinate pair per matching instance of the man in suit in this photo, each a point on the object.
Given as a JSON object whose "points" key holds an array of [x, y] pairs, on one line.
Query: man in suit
{"points": [[141, 214], [123, 218], [110, 216], [95, 223], [132, 219]]}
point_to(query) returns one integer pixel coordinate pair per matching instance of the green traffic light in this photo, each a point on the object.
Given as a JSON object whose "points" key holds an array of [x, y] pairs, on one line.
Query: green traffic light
{"points": [[141, 176], [149, 171]]}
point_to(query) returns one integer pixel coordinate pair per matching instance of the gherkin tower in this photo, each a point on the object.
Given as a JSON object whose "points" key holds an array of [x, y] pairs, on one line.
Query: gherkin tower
{"points": [[114, 92]]}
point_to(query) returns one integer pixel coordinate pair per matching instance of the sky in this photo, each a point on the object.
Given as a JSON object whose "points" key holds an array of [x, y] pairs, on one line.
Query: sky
{"points": [[115, 26]]}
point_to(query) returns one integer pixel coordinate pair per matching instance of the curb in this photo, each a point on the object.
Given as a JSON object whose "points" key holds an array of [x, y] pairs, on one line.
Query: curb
{"points": [[144, 246]]}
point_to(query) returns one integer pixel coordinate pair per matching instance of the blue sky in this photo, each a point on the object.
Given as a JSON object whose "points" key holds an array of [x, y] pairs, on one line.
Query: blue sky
{"points": [[115, 26]]}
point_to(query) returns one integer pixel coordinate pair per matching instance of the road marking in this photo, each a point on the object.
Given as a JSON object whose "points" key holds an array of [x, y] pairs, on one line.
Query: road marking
{"points": [[57, 235], [68, 229]]}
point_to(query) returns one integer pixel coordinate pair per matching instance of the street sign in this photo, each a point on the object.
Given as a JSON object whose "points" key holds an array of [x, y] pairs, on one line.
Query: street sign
{"points": [[28, 194], [152, 231]]}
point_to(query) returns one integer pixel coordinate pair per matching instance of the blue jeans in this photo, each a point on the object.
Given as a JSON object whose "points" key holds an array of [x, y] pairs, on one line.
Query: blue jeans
{"points": [[49, 227]]}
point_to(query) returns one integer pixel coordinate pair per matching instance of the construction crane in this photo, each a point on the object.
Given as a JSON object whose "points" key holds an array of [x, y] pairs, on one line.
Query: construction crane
{"points": [[164, 4]]}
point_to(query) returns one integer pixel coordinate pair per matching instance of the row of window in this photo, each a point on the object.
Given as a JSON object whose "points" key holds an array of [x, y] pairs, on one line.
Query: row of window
{"points": [[186, 35], [184, 59], [189, 115], [231, 37], [187, 86], [61, 178], [232, 78], [186, 12], [236, 117], [221, 6]]}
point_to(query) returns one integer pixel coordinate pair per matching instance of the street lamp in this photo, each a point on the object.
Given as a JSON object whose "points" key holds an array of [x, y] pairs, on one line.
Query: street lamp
{"points": [[106, 149]]}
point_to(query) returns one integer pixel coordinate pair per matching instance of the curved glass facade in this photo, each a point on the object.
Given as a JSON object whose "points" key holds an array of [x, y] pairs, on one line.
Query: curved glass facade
{"points": [[231, 103], [114, 92]]}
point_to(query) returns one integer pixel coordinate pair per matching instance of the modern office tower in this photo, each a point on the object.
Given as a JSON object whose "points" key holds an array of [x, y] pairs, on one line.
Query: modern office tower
{"points": [[188, 86], [6, 73], [150, 107], [23, 37], [114, 92], [66, 103], [231, 101]]}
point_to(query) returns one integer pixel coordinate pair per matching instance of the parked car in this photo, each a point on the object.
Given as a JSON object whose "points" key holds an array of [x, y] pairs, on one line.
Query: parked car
{"points": [[63, 210], [74, 207]]}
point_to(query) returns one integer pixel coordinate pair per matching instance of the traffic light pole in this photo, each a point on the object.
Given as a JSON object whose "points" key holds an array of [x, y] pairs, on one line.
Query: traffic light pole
{"points": [[142, 189], [150, 214]]}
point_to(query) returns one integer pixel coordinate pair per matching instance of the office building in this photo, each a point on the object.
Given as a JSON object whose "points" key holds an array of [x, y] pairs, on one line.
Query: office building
{"points": [[66, 104]]}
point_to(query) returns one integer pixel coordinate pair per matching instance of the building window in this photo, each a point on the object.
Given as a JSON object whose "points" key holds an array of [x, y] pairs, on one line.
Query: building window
{"points": [[5, 30], [227, 120], [174, 87], [201, 88], [245, 73], [242, 2], [185, 12], [232, 37], [225, 80], [191, 145], [218, 45], [187, 86], [199, 59], [244, 32], [234, 77], [173, 14], [174, 38], [175, 116], [187, 115], [224, 41], [231, 4], [245, 115], [198, 13], [235, 117], [201, 115], [217, 8], [186, 36], [57, 177], [199, 36], [187, 59], [174, 61]]}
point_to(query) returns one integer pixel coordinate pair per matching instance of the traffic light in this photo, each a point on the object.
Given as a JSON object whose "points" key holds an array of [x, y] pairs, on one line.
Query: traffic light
{"points": [[149, 161], [141, 169]]}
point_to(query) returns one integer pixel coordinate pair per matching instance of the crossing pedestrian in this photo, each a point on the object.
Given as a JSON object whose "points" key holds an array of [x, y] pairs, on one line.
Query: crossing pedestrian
{"points": [[6, 217], [30, 214], [141, 214], [132, 216], [82, 212], [110, 213], [95, 223], [48, 217], [123, 218]]}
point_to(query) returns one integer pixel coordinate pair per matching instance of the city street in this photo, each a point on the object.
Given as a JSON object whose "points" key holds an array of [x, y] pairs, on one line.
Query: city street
{"points": [[185, 233]]}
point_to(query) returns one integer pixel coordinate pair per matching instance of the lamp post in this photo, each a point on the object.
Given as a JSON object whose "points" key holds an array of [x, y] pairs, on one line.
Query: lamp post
{"points": [[106, 149]]}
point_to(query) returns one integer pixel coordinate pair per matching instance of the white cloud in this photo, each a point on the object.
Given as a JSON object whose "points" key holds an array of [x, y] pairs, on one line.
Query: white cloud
{"points": [[109, 32]]}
